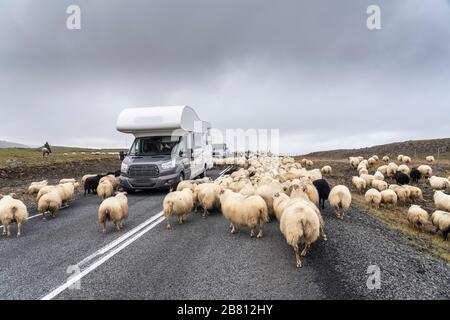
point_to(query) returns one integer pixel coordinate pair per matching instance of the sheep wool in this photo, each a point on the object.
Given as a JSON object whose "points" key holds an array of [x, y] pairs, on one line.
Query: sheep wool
{"points": [[442, 201], [425, 170], [50, 202], [359, 183], [438, 183], [114, 209], [179, 203], [389, 197], [340, 199], [429, 159], [12, 210], [373, 198], [105, 189], [441, 220], [240, 210], [300, 226], [417, 216], [326, 170]]}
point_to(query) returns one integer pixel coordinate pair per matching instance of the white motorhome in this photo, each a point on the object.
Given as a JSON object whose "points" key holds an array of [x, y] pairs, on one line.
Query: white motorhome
{"points": [[171, 144]]}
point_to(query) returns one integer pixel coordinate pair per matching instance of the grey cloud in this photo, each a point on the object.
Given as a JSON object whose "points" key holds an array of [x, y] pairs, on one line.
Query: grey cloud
{"points": [[310, 68]]}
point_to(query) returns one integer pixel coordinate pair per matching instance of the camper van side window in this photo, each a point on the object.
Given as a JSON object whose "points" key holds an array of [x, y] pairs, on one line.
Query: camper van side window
{"points": [[198, 140]]}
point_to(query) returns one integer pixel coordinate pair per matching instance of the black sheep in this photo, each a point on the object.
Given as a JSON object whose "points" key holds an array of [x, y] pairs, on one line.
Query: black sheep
{"points": [[91, 184], [323, 188], [401, 178], [415, 175]]}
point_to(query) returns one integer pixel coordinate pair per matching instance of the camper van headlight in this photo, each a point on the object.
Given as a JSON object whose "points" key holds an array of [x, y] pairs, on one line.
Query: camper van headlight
{"points": [[169, 165], [124, 168]]}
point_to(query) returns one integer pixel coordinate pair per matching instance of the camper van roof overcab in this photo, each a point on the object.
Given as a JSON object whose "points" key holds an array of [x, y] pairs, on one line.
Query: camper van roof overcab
{"points": [[160, 120]]}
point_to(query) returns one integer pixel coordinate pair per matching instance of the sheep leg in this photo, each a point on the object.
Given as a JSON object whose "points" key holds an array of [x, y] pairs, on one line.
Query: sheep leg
{"points": [[4, 230], [305, 250], [180, 220], [168, 214], [261, 229], [322, 232], [233, 228], [297, 256], [8, 230], [252, 232], [205, 213], [117, 225], [19, 227], [104, 226]]}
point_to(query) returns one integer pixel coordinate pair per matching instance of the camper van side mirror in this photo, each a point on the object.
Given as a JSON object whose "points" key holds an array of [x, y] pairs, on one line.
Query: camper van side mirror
{"points": [[181, 154]]}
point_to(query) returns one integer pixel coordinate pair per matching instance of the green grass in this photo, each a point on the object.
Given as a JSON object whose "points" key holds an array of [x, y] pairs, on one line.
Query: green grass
{"points": [[33, 157]]}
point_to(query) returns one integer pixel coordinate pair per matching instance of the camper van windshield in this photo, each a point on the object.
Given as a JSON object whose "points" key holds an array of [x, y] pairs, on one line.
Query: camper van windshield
{"points": [[153, 146]]}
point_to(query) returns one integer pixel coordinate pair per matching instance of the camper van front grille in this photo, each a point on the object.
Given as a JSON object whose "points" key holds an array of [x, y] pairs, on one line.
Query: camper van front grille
{"points": [[146, 171]]}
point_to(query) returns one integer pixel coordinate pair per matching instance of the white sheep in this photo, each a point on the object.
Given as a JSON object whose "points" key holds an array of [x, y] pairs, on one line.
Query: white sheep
{"points": [[36, 186], [400, 157], [326, 170], [425, 170], [378, 176], [368, 178], [363, 171], [105, 189], [430, 159], [402, 193], [280, 200], [438, 183], [406, 159], [50, 202], [382, 169], [12, 210], [441, 201], [386, 159], [391, 169], [441, 220], [354, 161], [340, 199], [300, 225], [404, 169], [208, 197], [359, 183], [240, 210], [373, 198], [415, 193], [179, 203], [389, 197], [417, 216], [379, 185], [115, 181], [71, 180], [114, 209], [267, 191]]}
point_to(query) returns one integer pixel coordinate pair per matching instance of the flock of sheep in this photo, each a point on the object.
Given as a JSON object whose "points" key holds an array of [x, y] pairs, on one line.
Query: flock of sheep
{"points": [[260, 187], [264, 186], [381, 193], [51, 198]]}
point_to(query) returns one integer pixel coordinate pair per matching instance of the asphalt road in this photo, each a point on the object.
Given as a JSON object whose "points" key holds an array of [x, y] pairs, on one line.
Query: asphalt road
{"points": [[202, 260]]}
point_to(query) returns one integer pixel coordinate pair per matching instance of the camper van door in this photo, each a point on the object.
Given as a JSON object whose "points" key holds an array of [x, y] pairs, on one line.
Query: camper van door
{"points": [[197, 155]]}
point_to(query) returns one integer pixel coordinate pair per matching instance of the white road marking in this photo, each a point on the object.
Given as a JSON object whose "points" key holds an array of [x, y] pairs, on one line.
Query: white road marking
{"points": [[120, 239], [113, 248], [99, 262]]}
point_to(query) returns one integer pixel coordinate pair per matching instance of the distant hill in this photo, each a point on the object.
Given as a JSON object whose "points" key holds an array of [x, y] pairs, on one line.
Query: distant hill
{"points": [[8, 144], [413, 148]]}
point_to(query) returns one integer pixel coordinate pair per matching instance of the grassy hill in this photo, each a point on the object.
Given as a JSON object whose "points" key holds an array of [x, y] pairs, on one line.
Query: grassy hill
{"points": [[32, 157], [413, 148], [8, 144]]}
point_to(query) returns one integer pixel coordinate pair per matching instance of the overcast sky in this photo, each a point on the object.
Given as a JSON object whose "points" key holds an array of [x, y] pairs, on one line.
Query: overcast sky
{"points": [[310, 68]]}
